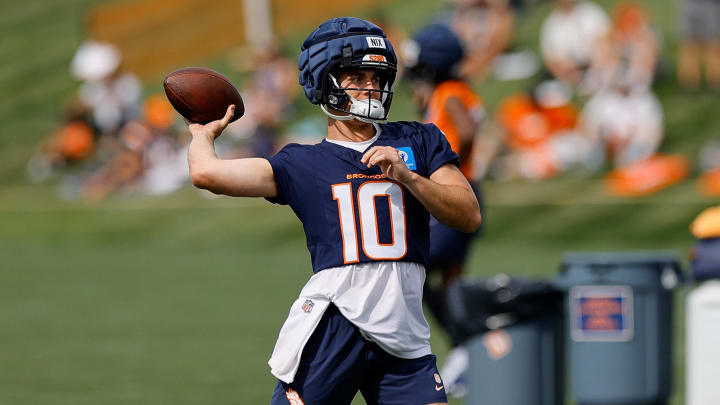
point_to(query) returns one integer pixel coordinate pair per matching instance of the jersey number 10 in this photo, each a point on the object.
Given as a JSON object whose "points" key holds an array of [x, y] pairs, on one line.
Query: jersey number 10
{"points": [[366, 195]]}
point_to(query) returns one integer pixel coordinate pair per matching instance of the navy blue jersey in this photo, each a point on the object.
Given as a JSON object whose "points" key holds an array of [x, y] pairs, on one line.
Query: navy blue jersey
{"points": [[352, 214]]}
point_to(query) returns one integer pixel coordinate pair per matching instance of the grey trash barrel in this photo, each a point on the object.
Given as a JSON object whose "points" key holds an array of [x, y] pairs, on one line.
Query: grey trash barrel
{"points": [[512, 330], [619, 317]]}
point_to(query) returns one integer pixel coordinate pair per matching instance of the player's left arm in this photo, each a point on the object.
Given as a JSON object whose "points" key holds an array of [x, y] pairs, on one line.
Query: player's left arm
{"points": [[446, 194]]}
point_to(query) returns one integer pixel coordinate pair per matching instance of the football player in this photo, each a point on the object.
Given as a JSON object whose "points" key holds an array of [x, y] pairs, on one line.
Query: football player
{"points": [[364, 196], [433, 58]]}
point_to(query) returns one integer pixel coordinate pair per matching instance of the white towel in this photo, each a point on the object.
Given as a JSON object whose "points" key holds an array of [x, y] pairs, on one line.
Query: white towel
{"points": [[383, 299], [296, 331]]}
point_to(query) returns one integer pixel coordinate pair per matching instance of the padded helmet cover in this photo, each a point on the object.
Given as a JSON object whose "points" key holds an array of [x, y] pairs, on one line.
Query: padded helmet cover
{"points": [[341, 43]]}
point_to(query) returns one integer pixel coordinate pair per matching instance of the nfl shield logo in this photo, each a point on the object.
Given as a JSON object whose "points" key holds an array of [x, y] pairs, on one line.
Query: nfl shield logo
{"points": [[308, 306]]}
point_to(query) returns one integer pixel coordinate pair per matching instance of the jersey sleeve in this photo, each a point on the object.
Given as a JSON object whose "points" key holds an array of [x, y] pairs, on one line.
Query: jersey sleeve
{"points": [[438, 150], [280, 163]]}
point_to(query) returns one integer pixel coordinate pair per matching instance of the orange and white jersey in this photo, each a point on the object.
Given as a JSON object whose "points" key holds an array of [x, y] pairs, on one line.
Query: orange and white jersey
{"points": [[438, 115]]}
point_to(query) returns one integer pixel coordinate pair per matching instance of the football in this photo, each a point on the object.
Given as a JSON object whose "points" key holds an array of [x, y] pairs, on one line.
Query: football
{"points": [[202, 95]]}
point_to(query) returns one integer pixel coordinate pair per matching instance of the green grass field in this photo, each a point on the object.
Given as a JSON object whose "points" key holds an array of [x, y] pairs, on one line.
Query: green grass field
{"points": [[178, 300]]}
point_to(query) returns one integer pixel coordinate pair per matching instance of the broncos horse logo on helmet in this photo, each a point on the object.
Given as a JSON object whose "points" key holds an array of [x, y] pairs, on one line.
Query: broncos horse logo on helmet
{"points": [[342, 43]]}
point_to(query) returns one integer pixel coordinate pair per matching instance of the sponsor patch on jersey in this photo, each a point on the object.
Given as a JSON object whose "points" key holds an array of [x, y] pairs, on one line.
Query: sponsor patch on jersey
{"points": [[406, 153], [376, 42], [374, 58]]}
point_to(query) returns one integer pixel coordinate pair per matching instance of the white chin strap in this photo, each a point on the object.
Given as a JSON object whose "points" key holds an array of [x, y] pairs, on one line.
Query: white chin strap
{"points": [[324, 108]]}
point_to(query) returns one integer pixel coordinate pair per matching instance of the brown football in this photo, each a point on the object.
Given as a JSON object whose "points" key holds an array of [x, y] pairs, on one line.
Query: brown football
{"points": [[202, 95]]}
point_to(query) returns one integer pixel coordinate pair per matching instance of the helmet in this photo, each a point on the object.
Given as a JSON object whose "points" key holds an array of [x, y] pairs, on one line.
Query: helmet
{"points": [[433, 54], [342, 43]]}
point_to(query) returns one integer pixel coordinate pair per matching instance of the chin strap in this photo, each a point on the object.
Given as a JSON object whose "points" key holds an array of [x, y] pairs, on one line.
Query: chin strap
{"points": [[324, 108]]}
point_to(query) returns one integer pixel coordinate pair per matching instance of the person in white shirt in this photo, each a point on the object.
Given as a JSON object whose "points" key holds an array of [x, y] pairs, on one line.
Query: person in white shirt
{"points": [[569, 36], [626, 121]]}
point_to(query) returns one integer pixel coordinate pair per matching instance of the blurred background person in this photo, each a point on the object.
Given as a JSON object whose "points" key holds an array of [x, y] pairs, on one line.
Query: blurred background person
{"points": [[165, 153], [630, 47], [626, 121], [484, 28], [72, 143], [273, 88], [540, 134], [433, 59], [700, 44], [569, 36], [112, 95], [709, 161], [709, 154], [120, 172], [150, 159], [107, 99]]}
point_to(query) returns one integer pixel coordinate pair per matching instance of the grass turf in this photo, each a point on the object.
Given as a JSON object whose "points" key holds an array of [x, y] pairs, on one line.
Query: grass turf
{"points": [[179, 299]]}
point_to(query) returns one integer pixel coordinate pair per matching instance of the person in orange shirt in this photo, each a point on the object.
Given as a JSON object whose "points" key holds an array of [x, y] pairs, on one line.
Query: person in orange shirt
{"points": [[433, 58], [541, 139]]}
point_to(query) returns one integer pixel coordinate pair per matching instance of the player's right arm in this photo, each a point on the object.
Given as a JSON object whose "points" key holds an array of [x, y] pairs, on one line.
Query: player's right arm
{"points": [[251, 177]]}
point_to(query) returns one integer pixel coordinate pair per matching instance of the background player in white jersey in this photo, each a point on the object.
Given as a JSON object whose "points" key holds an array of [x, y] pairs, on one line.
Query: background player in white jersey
{"points": [[364, 196]]}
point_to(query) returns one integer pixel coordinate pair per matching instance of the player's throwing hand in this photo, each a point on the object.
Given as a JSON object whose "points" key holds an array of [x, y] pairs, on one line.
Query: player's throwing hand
{"points": [[389, 161], [212, 129]]}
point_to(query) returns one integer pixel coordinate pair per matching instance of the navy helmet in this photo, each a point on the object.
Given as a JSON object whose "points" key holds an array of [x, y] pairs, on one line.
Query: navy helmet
{"points": [[433, 54], [342, 43]]}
